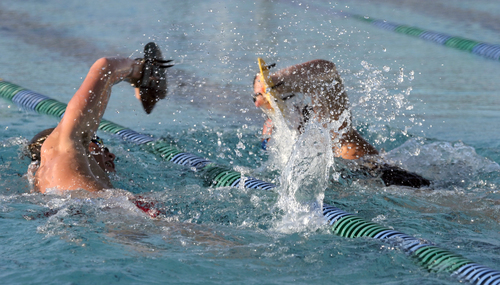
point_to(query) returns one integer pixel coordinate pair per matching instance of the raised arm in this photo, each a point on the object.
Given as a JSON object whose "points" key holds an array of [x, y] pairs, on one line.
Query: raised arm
{"points": [[86, 108]]}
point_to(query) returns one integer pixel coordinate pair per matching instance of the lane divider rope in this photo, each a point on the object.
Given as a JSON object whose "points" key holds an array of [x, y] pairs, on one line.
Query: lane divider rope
{"points": [[428, 256], [491, 51], [342, 223], [487, 50]]}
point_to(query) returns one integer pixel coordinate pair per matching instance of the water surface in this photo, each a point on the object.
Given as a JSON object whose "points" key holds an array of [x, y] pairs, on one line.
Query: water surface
{"points": [[432, 109]]}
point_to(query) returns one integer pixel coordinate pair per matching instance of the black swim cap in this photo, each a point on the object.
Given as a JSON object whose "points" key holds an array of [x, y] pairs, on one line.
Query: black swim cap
{"points": [[35, 145]]}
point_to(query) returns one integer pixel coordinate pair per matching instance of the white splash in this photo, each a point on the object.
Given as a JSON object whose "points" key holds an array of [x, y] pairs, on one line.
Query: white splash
{"points": [[305, 175], [304, 178], [281, 146], [443, 162]]}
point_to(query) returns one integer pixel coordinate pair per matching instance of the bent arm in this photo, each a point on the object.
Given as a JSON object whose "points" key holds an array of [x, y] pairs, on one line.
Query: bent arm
{"points": [[353, 146], [85, 110]]}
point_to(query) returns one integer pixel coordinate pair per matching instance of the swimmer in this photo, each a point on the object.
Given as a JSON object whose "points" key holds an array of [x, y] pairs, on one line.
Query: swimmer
{"points": [[70, 156], [315, 89]]}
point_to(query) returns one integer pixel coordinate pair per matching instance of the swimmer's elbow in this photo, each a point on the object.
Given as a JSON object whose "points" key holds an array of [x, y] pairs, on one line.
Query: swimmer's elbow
{"points": [[101, 66]]}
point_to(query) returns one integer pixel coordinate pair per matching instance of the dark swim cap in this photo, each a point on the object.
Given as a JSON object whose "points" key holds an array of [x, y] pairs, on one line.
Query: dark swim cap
{"points": [[35, 145]]}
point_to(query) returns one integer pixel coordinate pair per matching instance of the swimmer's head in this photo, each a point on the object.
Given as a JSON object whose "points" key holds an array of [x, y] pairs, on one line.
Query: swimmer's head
{"points": [[35, 144], [101, 154], [259, 89], [262, 87]]}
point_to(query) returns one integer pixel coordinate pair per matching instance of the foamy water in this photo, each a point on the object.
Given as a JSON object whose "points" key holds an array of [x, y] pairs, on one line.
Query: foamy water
{"points": [[428, 108]]}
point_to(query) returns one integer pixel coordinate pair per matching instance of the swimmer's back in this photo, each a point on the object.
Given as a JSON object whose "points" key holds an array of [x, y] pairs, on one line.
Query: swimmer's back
{"points": [[66, 165]]}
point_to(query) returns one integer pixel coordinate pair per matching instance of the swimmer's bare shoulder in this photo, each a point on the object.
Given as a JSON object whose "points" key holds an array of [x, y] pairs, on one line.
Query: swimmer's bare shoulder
{"points": [[65, 166]]}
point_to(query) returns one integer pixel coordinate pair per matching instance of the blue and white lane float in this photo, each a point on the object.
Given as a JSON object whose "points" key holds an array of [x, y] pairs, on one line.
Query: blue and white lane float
{"points": [[427, 254], [491, 51], [342, 223], [487, 50]]}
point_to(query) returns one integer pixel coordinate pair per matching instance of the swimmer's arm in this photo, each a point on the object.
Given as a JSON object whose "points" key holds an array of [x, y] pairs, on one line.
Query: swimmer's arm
{"points": [[267, 131], [86, 108], [353, 146]]}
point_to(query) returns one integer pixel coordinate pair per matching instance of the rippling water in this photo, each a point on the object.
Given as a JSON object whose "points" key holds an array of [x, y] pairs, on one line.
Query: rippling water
{"points": [[432, 109]]}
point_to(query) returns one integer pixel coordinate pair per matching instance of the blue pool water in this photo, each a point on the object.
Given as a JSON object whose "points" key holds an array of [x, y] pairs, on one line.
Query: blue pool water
{"points": [[432, 109]]}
